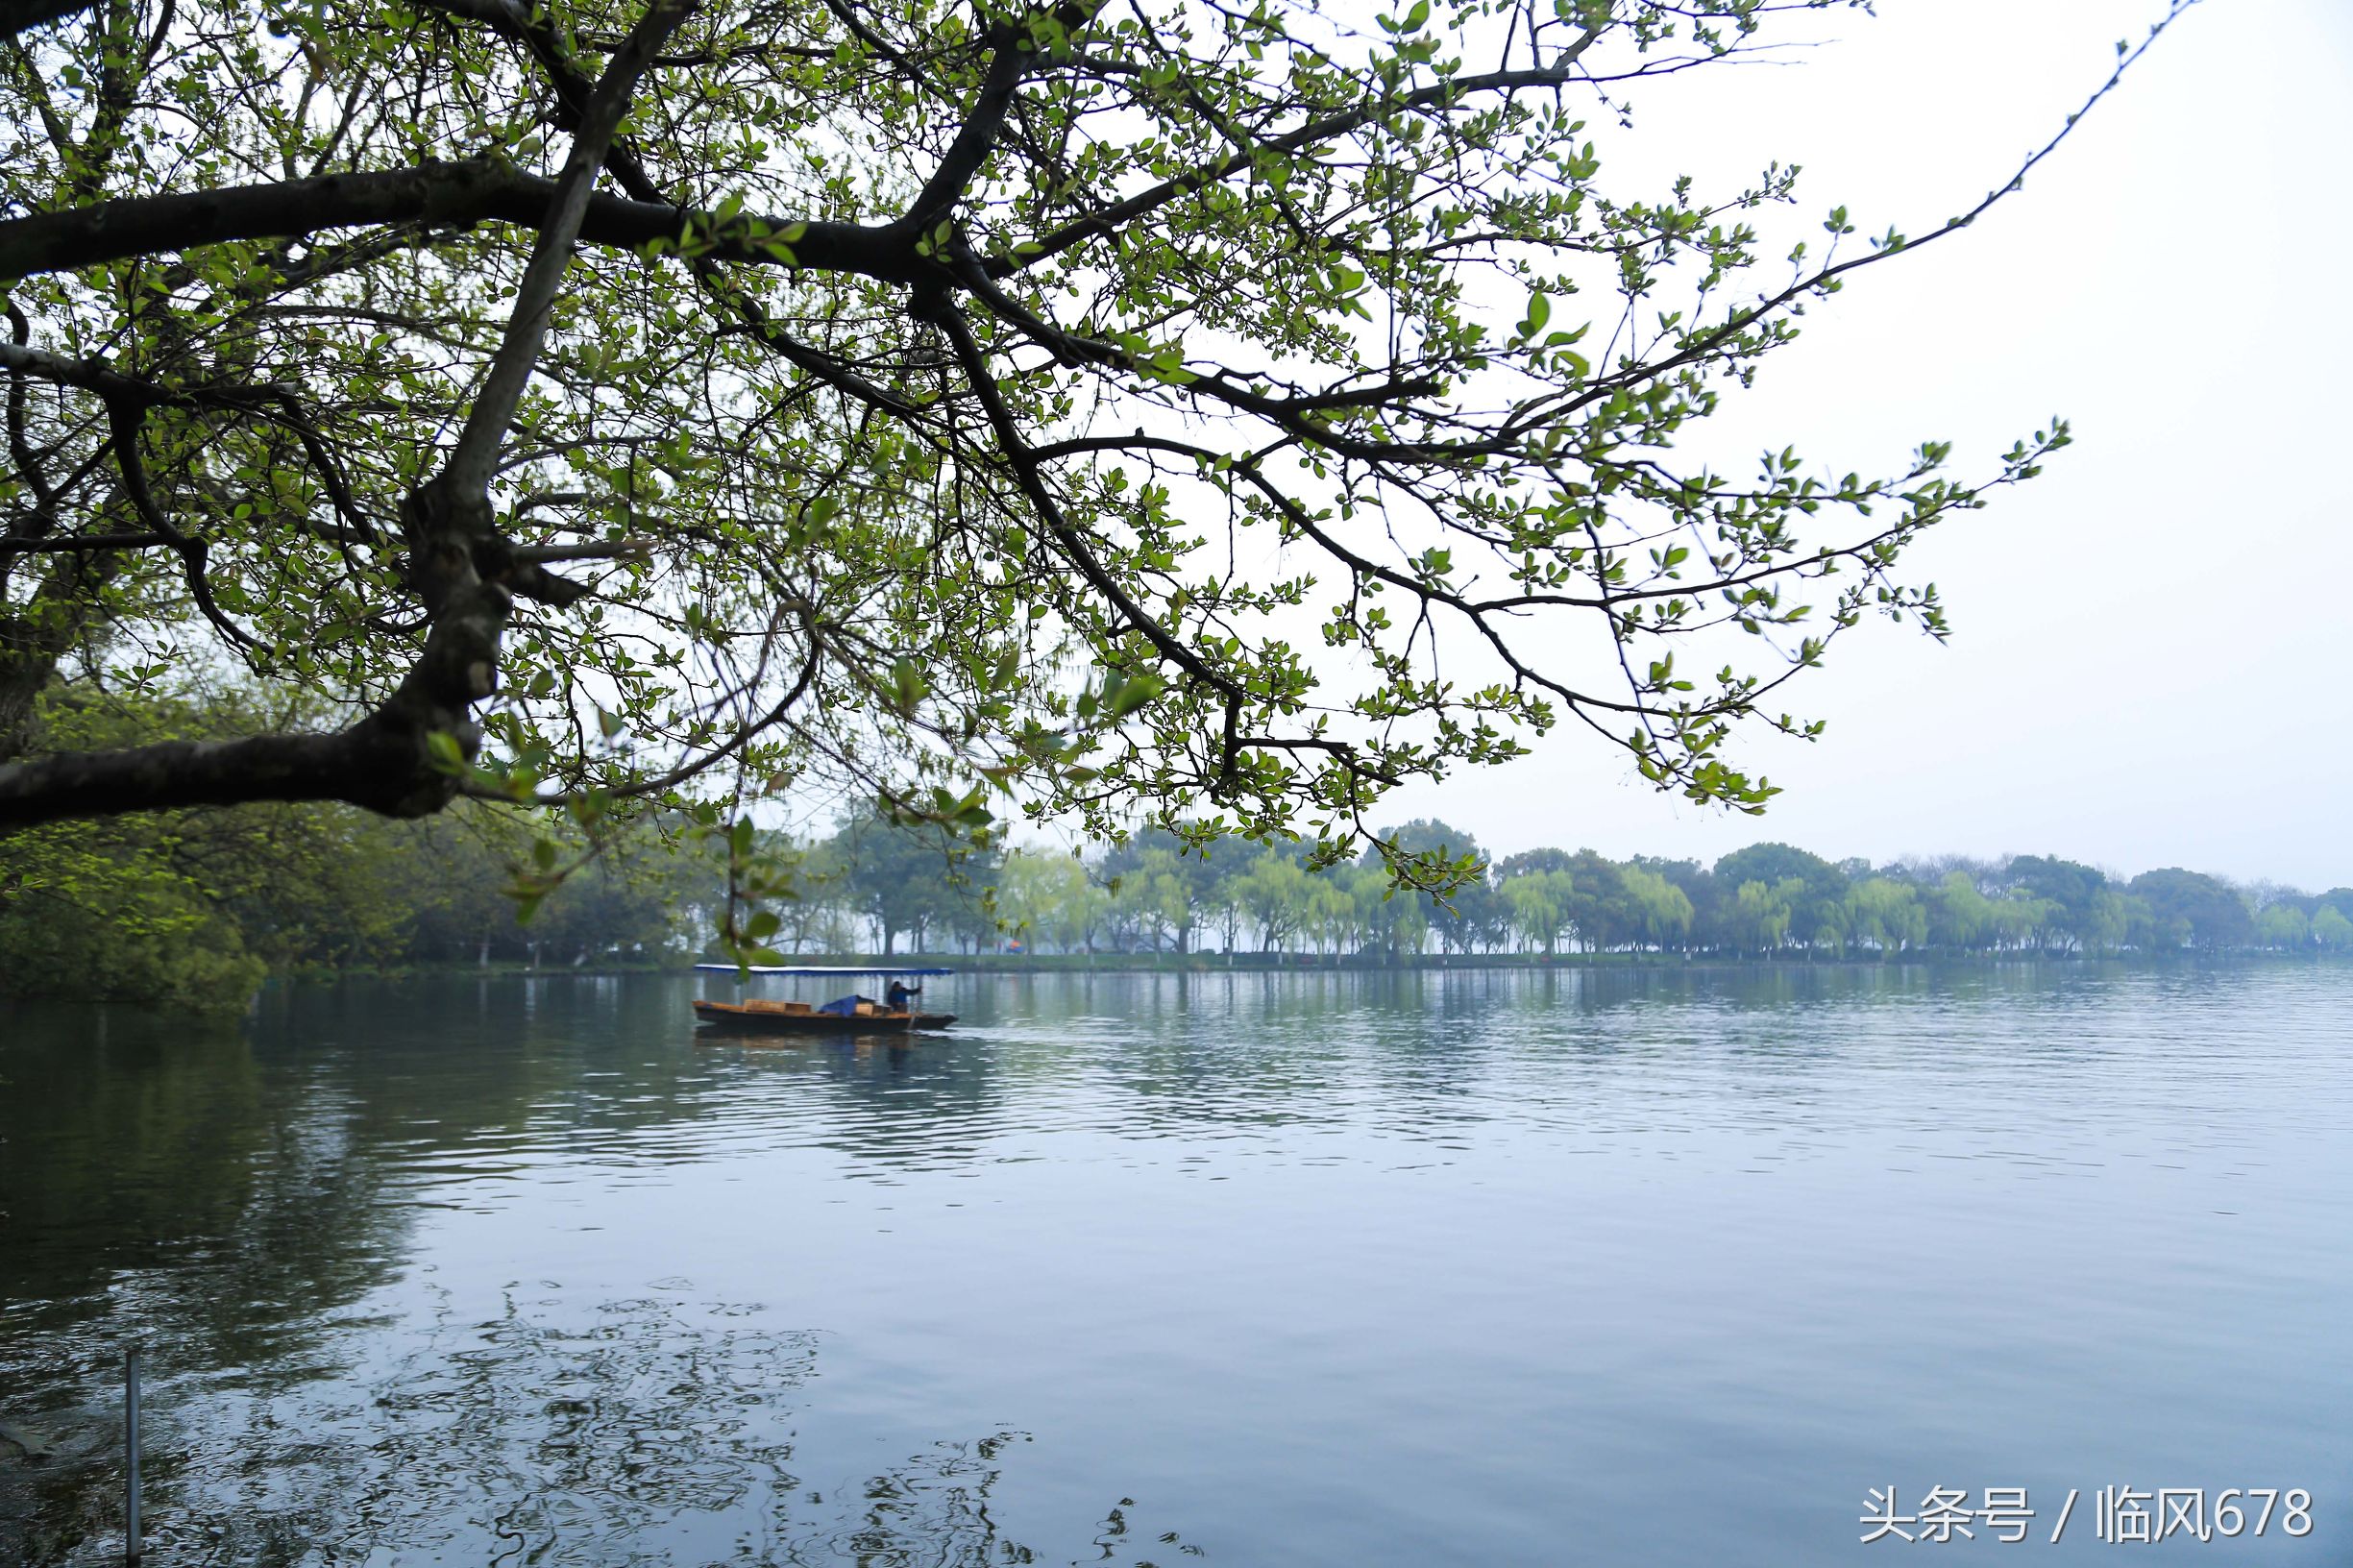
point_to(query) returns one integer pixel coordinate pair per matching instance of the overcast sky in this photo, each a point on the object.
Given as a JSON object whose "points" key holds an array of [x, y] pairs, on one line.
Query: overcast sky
{"points": [[2154, 656]]}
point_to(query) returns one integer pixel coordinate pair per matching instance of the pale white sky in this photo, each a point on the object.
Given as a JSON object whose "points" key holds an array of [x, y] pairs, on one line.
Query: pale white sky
{"points": [[2153, 660]]}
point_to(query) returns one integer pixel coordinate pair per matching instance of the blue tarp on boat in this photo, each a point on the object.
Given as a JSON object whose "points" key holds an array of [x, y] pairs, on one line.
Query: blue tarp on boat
{"points": [[816, 969]]}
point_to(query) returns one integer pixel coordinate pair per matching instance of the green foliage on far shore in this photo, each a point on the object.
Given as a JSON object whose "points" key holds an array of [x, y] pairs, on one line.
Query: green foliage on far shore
{"points": [[189, 911], [1150, 895], [1154, 900]]}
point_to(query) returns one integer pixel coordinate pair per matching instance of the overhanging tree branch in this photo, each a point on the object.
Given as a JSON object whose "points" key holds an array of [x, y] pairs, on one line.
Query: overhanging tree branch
{"points": [[387, 761], [23, 15], [865, 392], [453, 194]]}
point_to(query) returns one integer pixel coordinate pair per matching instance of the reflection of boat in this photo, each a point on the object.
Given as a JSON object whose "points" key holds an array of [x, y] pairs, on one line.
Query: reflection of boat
{"points": [[764, 1017], [841, 1018]]}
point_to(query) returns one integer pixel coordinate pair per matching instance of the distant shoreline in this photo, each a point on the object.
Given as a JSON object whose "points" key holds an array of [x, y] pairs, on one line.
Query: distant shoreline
{"points": [[1425, 962], [1204, 963]]}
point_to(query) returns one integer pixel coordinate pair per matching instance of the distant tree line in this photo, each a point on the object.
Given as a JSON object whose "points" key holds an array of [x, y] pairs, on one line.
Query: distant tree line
{"points": [[871, 888], [192, 909]]}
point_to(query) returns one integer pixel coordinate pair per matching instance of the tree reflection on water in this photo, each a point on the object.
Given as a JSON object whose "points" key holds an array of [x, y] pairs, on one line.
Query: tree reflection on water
{"points": [[246, 1201], [652, 1430]]}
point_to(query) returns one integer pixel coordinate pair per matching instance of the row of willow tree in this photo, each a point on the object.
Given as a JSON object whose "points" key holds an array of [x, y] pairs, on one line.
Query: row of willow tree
{"points": [[193, 909], [1153, 895]]}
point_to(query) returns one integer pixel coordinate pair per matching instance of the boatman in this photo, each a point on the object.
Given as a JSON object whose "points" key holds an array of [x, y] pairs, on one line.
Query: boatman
{"points": [[901, 992]]}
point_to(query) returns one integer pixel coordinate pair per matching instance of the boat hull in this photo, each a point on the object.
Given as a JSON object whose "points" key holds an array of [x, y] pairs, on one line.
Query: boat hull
{"points": [[736, 1018]]}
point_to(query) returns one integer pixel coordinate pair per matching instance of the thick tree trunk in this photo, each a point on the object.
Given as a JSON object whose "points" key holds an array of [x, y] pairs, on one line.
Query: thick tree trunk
{"points": [[31, 644]]}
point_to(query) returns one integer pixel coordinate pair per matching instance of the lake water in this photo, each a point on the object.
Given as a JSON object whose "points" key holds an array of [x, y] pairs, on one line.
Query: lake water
{"points": [[1477, 1267]]}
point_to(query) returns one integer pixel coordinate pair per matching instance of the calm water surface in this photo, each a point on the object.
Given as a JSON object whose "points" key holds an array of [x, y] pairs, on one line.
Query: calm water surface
{"points": [[1445, 1268]]}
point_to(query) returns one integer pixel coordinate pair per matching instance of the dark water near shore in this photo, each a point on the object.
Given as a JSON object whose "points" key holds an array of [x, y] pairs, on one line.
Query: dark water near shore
{"points": [[1493, 1269]]}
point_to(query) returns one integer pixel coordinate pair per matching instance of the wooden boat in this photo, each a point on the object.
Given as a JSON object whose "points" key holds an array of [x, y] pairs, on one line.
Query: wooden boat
{"points": [[761, 1016], [767, 1018]]}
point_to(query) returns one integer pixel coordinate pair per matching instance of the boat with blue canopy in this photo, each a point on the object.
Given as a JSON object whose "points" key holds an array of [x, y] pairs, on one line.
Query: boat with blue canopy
{"points": [[810, 969], [851, 1015]]}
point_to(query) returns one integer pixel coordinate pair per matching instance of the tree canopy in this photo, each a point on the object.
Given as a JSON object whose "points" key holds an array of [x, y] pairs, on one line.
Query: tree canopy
{"points": [[1116, 406]]}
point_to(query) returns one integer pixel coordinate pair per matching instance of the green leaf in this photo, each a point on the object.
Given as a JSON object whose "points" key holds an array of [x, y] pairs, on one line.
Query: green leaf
{"points": [[1539, 311], [908, 686], [1135, 692]]}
